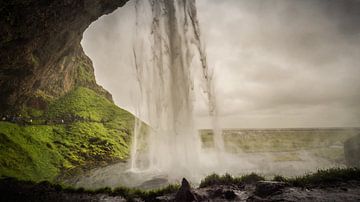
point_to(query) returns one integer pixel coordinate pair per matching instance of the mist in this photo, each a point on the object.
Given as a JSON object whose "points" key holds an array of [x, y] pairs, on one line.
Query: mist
{"points": [[276, 63], [273, 63]]}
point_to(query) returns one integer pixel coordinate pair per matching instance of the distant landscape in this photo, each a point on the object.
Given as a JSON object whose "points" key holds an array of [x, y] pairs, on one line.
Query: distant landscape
{"points": [[311, 148]]}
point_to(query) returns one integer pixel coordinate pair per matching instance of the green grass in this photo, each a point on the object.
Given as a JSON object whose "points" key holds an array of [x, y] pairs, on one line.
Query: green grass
{"points": [[325, 177], [87, 104], [29, 112], [321, 177], [84, 74], [227, 179], [25, 154], [130, 194], [100, 134]]}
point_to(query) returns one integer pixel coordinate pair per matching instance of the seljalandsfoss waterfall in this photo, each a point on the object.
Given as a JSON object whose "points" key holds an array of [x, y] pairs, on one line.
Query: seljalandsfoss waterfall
{"points": [[172, 76], [171, 66], [161, 44], [180, 100]]}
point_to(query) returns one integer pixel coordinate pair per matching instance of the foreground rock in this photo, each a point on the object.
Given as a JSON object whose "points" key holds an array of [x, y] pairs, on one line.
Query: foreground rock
{"points": [[267, 188], [12, 190], [267, 191], [185, 193]]}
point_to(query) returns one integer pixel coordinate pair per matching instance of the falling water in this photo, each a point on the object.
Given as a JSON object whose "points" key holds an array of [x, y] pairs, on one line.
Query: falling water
{"points": [[169, 59]]}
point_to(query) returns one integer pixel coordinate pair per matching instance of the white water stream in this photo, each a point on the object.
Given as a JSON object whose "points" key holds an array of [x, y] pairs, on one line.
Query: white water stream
{"points": [[172, 69]]}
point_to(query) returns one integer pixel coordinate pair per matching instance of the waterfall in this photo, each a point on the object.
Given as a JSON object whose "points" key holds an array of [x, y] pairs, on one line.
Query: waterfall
{"points": [[171, 65]]}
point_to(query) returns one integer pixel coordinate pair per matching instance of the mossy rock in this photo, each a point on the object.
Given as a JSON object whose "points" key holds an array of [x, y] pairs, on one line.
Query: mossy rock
{"points": [[95, 132]]}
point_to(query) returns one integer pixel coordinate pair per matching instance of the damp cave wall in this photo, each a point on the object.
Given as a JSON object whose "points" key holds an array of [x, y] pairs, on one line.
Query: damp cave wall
{"points": [[40, 50]]}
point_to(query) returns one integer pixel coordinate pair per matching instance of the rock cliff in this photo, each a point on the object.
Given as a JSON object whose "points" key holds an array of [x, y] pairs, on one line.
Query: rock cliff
{"points": [[55, 119], [40, 51]]}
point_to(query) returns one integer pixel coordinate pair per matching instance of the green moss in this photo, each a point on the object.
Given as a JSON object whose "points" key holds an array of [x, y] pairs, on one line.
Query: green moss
{"points": [[25, 153], [85, 103], [99, 139], [28, 112], [95, 132], [84, 75]]}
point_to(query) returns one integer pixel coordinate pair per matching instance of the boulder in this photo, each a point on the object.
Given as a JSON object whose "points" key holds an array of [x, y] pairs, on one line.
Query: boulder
{"points": [[267, 188], [185, 193]]}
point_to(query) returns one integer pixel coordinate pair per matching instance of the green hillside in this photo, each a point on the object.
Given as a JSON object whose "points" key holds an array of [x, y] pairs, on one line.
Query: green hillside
{"points": [[78, 131]]}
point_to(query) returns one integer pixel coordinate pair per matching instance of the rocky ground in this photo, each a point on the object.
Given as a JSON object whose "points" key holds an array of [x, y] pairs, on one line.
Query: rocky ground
{"points": [[13, 190], [268, 191]]}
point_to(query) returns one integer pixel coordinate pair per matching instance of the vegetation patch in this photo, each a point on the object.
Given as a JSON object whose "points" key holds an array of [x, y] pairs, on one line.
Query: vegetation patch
{"points": [[86, 104], [227, 179], [321, 177], [12, 186], [324, 177], [25, 154], [78, 131]]}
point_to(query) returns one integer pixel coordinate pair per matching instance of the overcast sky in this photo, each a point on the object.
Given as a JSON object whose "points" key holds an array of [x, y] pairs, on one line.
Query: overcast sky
{"points": [[277, 63]]}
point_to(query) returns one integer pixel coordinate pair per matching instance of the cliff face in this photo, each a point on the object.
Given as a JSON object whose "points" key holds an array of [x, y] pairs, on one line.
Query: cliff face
{"points": [[40, 51]]}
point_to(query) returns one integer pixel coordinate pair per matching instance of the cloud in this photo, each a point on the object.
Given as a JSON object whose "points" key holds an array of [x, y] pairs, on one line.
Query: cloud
{"points": [[277, 63], [294, 58]]}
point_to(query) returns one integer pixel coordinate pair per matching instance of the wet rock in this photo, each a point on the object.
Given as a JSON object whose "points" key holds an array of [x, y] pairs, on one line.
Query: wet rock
{"points": [[229, 195], [42, 53], [185, 194], [344, 189], [256, 199], [221, 192], [267, 188], [217, 193]]}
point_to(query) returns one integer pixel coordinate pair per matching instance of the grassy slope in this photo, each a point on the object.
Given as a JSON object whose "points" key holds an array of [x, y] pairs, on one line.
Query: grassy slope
{"points": [[100, 133]]}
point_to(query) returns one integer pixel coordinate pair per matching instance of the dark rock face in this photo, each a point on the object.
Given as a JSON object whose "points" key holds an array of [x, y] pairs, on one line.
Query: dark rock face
{"points": [[40, 46], [266, 188], [12, 190], [184, 194], [352, 151]]}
